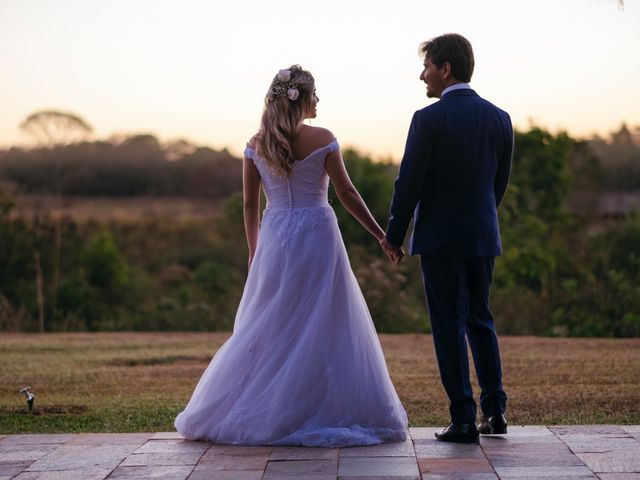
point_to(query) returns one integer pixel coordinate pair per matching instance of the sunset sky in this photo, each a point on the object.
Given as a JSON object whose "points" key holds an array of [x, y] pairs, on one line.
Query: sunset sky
{"points": [[198, 69]]}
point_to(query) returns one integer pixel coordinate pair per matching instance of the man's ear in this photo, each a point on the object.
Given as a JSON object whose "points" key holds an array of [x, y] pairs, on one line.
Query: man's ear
{"points": [[446, 70]]}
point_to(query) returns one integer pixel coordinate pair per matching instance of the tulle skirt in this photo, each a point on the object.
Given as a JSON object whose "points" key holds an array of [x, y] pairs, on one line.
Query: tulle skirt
{"points": [[304, 364]]}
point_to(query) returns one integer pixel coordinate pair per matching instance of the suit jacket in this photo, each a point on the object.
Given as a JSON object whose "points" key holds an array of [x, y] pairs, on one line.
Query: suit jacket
{"points": [[452, 178]]}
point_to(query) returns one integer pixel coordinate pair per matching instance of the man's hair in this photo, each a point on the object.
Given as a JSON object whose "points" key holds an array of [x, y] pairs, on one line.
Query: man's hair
{"points": [[452, 48]]}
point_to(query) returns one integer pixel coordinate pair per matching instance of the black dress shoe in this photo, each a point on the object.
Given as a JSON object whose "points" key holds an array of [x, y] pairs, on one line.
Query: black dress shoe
{"points": [[459, 433], [494, 425]]}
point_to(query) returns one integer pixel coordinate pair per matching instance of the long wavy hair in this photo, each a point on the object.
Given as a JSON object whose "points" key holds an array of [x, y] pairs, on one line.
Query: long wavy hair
{"points": [[281, 118]]}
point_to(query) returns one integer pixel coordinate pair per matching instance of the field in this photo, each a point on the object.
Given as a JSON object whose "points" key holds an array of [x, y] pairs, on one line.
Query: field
{"points": [[108, 209], [127, 382]]}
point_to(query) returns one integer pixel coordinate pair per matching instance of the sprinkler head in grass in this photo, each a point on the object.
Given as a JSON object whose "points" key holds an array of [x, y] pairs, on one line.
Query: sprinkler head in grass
{"points": [[29, 396]]}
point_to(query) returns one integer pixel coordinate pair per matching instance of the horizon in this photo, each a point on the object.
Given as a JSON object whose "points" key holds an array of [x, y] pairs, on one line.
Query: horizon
{"points": [[192, 71], [608, 137]]}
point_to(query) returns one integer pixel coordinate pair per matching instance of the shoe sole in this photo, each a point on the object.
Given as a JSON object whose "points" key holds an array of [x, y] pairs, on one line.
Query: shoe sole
{"points": [[495, 432]]}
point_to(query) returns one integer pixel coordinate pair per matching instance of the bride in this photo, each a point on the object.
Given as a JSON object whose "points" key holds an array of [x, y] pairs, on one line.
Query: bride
{"points": [[304, 364]]}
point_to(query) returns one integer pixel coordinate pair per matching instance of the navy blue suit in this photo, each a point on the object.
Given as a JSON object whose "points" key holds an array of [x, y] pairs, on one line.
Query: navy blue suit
{"points": [[453, 175]]}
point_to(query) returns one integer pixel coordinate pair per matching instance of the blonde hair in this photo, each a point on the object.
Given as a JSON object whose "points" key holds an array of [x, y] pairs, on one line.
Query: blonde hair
{"points": [[280, 120]]}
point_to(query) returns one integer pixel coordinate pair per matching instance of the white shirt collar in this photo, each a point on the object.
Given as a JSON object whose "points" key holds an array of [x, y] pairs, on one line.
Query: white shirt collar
{"points": [[455, 86]]}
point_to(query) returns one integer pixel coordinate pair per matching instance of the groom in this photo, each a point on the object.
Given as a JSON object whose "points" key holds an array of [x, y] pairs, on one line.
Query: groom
{"points": [[454, 173]]}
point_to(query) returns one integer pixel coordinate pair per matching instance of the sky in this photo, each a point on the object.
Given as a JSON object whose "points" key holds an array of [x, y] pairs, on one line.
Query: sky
{"points": [[199, 69]]}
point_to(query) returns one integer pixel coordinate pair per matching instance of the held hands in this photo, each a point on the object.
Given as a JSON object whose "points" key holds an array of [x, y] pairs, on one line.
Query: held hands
{"points": [[394, 253]]}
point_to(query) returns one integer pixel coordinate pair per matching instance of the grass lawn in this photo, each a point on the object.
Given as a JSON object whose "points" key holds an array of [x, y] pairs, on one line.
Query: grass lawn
{"points": [[127, 382]]}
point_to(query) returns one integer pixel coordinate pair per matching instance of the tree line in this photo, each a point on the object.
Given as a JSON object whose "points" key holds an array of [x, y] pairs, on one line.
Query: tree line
{"points": [[558, 274], [136, 165]]}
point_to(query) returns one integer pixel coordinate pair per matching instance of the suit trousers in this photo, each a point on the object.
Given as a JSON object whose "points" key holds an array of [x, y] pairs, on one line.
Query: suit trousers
{"points": [[457, 291]]}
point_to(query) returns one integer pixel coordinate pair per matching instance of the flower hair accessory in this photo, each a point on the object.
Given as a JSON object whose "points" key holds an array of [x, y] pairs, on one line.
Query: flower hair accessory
{"points": [[284, 75], [282, 85]]}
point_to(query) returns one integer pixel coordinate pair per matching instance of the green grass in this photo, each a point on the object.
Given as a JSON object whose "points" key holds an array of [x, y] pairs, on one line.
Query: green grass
{"points": [[128, 382]]}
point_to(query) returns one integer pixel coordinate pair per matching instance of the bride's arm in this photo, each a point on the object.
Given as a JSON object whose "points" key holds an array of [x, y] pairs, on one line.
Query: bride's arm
{"points": [[251, 196], [349, 196]]}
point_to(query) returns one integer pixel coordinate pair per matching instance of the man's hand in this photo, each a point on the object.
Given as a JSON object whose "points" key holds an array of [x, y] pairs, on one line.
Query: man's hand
{"points": [[394, 253]]}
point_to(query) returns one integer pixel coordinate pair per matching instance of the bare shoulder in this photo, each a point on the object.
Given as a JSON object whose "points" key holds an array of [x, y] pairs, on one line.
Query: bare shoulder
{"points": [[320, 136], [252, 142]]}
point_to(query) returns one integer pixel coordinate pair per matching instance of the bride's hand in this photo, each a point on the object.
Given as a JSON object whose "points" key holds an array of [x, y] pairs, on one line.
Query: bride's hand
{"points": [[394, 253], [397, 255]]}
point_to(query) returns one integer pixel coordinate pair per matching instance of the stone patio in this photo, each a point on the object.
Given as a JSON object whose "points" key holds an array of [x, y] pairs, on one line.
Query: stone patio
{"points": [[606, 452]]}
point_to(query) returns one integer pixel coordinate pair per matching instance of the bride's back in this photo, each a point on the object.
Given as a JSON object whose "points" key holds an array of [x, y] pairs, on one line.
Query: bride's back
{"points": [[310, 139], [307, 183]]}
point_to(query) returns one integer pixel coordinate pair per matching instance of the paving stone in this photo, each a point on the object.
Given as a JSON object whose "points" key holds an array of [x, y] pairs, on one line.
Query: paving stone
{"points": [[518, 442], [613, 452], [556, 448], [26, 452], [72, 474], [166, 436], [303, 453], [549, 471], [13, 468], [533, 460], [457, 465], [526, 431], [394, 477], [167, 459], [218, 449], [609, 462], [591, 476], [231, 462], [151, 472], [634, 433], [586, 429], [314, 469], [173, 446], [71, 457], [549, 444], [109, 439], [401, 449], [39, 438], [437, 449], [600, 443], [377, 466], [294, 476], [619, 476], [227, 475], [459, 476], [422, 433]]}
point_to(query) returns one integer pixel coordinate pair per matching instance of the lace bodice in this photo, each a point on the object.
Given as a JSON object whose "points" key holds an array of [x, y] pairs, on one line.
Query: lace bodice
{"points": [[307, 184]]}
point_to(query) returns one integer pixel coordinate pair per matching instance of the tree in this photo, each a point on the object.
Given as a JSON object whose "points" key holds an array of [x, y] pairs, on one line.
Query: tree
{"points": [[52, 127], [178, 149], [623, 137]]}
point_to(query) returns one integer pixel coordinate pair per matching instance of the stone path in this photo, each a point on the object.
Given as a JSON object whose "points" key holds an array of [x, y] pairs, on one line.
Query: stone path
{"points": [[536, 452]]}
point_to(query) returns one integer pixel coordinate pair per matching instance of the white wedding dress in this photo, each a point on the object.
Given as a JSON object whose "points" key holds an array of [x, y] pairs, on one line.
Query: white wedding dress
{"points": [[304, 365]]}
